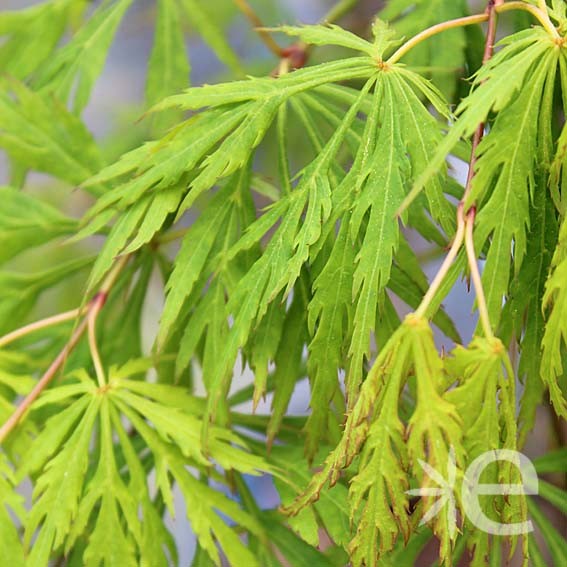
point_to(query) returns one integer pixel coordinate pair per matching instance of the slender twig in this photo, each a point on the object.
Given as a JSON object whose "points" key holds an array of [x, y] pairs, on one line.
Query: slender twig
{"points": [[256, 22], [433, 30], [93, 307], [445, 266], [50, 373], [41, 324], [470, 214], [475, 274], [479, 133], [465, 223]]}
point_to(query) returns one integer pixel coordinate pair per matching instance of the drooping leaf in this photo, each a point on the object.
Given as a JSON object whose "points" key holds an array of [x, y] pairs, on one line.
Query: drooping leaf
{"points": [[553, 374]]}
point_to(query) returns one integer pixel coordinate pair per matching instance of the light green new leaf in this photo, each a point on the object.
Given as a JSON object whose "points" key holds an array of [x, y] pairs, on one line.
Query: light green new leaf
{"points": [[378, 500], [175, 425], [135, 228], [59, 489], [26, 222], [73, 70], [39, 133], [330, 34], [33, 34], [106, 492], [203, 503], [479, 368], [435, 428]]}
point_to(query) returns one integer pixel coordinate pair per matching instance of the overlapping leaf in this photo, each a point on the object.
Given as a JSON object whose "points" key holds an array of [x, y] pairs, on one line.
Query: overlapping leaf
{"points": [[39, 133], [74, 69], [73, 491]]}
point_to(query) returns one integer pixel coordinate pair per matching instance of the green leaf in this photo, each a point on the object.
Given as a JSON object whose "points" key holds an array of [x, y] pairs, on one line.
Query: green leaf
{"points": [[555, 335], [205, 20], [257, 89], [195, 251], [505, 161], [330, 34], [555, 541], [556, 461], [58, 490], [328, 325], [202, 502], [33, 34], [72, 72], [109, 542], [295, 551], [497, 83], [10, 501], [39, 133], [445, 52], [380, 197], [21, 291], [168, 66], [526, 294], [26, 222]]}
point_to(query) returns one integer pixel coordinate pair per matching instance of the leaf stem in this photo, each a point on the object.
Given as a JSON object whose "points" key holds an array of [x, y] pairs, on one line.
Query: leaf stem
{"points": [[50, 373], [494, 6], [93, 307], [96, 306], [258, 26], [92, 316], [41, 324], [433, 30], [447, 263], [539, 13], [475, 274]]}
